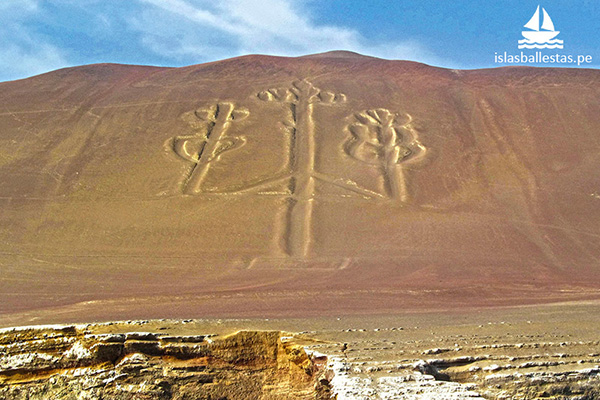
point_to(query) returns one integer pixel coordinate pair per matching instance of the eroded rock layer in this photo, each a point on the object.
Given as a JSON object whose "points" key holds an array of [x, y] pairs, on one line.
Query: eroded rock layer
{"points": [[75, 362]]}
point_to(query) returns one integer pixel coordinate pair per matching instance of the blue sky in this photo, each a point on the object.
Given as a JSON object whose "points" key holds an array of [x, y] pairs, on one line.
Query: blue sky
{"points": [[42, 35]]}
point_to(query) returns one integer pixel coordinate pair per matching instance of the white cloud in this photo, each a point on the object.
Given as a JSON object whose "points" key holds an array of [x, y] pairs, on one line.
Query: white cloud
{"points": [[23, 5], [18, 62], [41, 35], [196, 14], [204, 30], [21, 54]]}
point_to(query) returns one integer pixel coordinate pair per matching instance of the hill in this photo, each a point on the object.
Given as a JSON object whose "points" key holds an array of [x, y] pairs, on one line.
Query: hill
{"points": [[318, 185]]}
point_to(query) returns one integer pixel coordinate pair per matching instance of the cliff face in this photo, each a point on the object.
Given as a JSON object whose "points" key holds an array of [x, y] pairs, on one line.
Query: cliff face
{"points": [[69, 362], [296, 185]]}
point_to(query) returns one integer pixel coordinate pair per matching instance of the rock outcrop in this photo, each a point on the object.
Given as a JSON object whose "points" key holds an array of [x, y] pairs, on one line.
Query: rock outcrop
{"points": [[74, 362]]}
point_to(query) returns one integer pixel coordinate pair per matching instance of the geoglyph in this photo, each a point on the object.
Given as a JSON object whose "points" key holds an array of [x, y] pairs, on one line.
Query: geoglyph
{"points": [[379, 138]]}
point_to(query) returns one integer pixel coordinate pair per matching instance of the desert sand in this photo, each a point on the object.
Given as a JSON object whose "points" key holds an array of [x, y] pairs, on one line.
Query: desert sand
{"points": [[314, 186]]}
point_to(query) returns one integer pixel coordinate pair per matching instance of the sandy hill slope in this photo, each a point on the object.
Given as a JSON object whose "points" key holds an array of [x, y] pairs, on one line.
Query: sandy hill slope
{"points": [[325, 184]]}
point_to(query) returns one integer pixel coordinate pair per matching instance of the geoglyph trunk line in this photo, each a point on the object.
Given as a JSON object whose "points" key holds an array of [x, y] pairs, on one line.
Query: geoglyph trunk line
{"points": [[303, 168], [301, 98]]}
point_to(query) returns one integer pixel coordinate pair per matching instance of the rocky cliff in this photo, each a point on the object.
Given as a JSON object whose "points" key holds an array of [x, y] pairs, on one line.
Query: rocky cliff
{"points": [[77, 362]]}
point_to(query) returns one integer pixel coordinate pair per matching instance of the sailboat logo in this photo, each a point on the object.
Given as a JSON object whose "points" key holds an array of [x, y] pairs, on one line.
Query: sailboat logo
{"points": [[540, 37]]}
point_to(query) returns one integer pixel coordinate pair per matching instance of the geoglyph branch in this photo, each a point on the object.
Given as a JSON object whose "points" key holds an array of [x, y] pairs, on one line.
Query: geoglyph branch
{"points": [[209, 143], [380, 138]]}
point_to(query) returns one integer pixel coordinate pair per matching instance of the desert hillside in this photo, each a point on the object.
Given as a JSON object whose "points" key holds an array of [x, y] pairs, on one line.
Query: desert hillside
{"points": [[325, 184]]}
